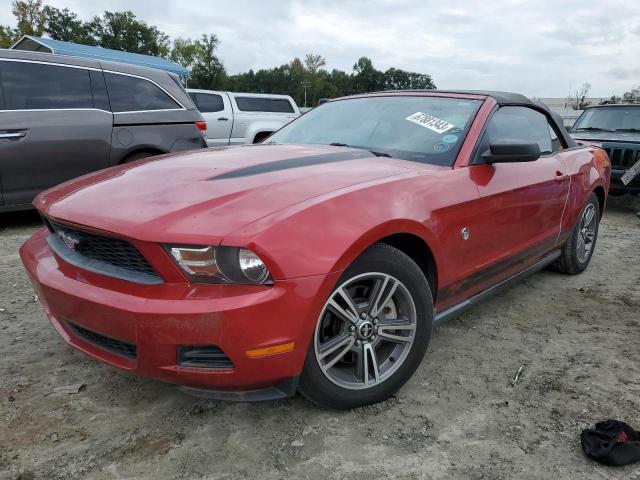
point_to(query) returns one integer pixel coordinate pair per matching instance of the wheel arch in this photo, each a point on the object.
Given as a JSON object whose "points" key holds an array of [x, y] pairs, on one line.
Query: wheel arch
{"points": [[144, 149], [420, 252], [602, 196], [408, 236], [261, 135]]}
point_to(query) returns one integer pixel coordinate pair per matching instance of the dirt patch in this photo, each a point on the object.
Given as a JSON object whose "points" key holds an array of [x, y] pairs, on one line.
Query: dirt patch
{"points": [[458, 417]]}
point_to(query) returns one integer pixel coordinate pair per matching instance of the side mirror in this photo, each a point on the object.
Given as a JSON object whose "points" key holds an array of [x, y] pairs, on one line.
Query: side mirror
{"points": [[567, 127], [506, 152]]}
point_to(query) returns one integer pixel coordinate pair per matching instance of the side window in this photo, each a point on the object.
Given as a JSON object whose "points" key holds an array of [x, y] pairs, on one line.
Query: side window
{"points": [[260, 104], [208, 102], [99, 89], [132, 94], [37, 86], [520, 124]]}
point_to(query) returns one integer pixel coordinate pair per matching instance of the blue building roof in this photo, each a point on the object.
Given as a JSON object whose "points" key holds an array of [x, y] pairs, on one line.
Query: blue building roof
{"points": [[31, 43]]}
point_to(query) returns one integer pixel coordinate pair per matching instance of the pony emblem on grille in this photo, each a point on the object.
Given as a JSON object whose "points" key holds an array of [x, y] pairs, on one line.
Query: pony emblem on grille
{"points": [[69, 240]]}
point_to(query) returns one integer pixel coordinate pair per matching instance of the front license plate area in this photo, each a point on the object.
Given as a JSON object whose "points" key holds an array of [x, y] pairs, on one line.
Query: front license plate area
{"points": [[631, 173]]}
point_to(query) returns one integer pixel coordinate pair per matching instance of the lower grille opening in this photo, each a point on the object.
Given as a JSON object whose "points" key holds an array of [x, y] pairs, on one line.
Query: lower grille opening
{"points": [[203, 356], [107, 343]]}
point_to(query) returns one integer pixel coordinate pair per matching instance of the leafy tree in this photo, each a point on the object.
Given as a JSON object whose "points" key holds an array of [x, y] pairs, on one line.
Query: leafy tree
{"points": [[7, 36], [184, 52], [65, 25], [396, 79], [294, 77], [367, 78], [632, 95], [207, 71], [30, 17], [314, 62], [339, 84], [578, 100], [123, 31], [30, 20]]}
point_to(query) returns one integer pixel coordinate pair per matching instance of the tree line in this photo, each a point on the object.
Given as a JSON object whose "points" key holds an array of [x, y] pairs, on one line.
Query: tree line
{"points": [[306, 80]]}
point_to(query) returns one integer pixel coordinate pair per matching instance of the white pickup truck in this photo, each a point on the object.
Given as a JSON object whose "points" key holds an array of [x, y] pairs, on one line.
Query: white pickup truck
{"points": [[237, 118]]}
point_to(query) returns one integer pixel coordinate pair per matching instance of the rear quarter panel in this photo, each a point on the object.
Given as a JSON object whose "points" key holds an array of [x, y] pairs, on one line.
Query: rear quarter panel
{"points": [[589, 168], [155, 138]]}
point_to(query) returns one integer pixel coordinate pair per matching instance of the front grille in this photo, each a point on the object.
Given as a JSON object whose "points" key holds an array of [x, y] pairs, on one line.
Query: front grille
{"points": [[107, 343], [102, 254], [622, 155], [204, 356]]}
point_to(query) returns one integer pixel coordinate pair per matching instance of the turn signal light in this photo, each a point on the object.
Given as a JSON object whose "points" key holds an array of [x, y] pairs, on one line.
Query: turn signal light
{"points": [[276, 349]]}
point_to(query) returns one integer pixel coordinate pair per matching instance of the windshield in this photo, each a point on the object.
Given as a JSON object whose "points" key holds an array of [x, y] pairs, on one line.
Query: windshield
{"points": [[609, 119], [422, 129]]}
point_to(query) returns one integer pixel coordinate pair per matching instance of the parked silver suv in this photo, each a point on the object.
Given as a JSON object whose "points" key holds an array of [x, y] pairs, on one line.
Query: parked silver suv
{"points": [[61, 117]]}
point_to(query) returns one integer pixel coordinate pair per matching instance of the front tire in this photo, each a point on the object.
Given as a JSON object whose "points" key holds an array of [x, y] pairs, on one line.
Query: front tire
{"points": [[372, 332], [577, 252]]}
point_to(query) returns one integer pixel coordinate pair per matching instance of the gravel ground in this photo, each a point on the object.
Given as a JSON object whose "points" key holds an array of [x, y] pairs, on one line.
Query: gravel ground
{"points": [[459, 417]]}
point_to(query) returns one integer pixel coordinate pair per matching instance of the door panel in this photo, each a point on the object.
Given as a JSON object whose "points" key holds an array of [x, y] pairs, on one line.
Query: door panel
{"points": [[57, 145], [51, 129], [520, 207]]}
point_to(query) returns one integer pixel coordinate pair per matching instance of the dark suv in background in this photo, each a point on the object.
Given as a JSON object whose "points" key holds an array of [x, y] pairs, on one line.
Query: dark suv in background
{"points": [[617, 129], [61, 117]]}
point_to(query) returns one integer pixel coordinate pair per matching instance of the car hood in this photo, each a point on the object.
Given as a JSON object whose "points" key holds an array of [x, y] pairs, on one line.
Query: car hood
{"points": [[207, 194], [631, 137]]}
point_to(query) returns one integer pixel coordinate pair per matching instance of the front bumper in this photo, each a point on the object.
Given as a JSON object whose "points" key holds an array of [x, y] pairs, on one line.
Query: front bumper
{"points": [[157, 319], [618, 186]]}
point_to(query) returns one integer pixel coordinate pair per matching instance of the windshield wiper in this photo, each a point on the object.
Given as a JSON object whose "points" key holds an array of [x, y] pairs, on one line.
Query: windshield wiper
{"points": [[627, 129], [377, 154], [592, 129]]}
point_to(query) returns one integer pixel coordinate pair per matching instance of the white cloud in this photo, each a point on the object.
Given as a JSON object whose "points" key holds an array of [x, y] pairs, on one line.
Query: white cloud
{"points": [[540, 48]]}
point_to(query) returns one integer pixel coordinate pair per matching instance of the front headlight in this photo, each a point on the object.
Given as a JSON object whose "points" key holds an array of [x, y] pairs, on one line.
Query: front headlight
{"points": [[221, 265]]}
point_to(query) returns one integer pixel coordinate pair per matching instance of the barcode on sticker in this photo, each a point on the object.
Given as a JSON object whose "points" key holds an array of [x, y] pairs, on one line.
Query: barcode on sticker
{"points": [[429, 121]]}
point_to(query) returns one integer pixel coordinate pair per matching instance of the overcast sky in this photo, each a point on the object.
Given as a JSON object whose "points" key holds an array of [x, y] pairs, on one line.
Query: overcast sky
{"points": [[542, 48]]}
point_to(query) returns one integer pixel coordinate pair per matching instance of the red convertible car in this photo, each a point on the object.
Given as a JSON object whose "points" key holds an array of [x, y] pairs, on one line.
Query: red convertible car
{"points": [[321, 260]]}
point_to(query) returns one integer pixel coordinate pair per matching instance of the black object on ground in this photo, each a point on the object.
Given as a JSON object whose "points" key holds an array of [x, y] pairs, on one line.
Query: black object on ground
{"points": [[612, 442]]}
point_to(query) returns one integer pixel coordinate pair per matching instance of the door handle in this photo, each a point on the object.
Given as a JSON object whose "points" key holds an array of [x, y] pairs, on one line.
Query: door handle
{"points": [[561, 177], [12, 135], [223, 119]]}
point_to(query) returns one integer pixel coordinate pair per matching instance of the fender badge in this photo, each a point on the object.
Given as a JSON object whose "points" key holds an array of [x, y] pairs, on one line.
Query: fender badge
{"points": [[464, 233]]}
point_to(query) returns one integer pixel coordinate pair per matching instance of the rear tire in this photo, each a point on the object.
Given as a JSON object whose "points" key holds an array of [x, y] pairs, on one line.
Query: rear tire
{"points": [[367, 344], [578, 250]]}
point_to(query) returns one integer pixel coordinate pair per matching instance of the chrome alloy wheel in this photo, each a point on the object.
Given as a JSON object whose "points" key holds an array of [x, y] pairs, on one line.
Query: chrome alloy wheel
{"points": [[365, 331], [587, 233]]}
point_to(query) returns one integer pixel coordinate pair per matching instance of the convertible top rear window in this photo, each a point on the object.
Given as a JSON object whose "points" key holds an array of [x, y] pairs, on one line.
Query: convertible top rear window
{"points": [[417, 128]]}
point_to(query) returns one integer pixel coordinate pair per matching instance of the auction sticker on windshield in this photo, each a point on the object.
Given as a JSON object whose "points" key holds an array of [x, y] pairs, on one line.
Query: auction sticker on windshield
{"points": [[631, 173], [432, 123]]}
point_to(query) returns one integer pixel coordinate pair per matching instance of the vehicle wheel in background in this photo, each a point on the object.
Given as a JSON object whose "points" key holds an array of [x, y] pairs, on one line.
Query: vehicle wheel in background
{"points": [[261, 136], [577, 252], [372, 332], [137, 156]]}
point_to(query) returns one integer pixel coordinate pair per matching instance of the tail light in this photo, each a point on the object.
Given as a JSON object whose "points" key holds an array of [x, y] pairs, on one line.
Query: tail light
{"points": [[202, 126]]}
